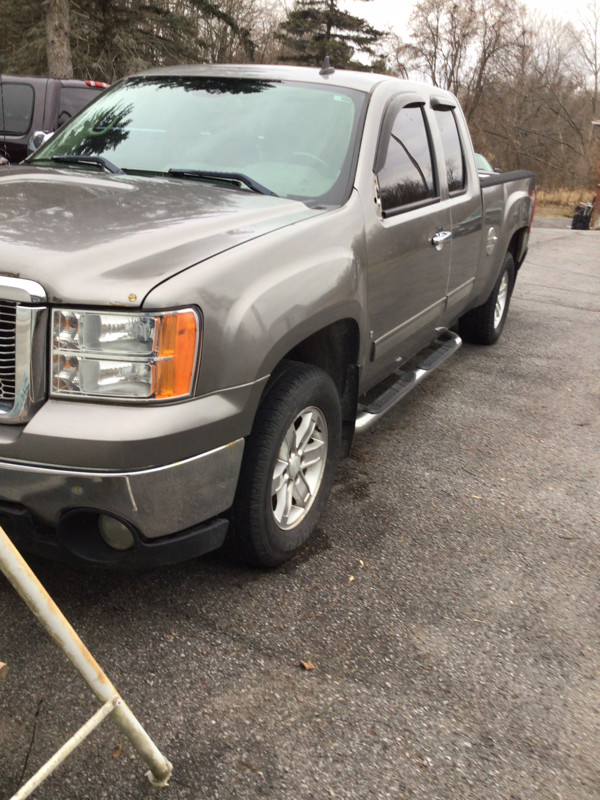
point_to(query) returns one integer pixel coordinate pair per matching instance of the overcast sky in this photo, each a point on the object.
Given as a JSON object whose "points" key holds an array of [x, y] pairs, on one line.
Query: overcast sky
{"points": [[384, 14]]}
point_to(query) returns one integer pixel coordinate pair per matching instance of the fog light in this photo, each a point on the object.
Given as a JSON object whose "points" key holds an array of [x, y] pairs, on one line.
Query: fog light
{"points": [[115, 533]]}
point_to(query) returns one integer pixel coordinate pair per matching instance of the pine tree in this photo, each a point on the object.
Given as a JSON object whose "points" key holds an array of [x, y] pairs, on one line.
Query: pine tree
{"points": [[317, 28], [112, 38]]}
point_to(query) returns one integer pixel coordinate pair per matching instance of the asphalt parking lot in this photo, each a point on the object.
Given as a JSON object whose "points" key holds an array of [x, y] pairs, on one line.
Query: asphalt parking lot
{"points": [[449, 604]]}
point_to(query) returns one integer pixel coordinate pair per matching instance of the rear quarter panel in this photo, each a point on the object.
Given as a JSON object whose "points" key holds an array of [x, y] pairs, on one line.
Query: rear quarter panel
{"points": [[507, 207]]}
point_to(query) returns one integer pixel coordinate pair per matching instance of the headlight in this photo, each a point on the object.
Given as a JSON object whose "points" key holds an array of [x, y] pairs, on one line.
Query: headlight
{"points": [[124, 355]]}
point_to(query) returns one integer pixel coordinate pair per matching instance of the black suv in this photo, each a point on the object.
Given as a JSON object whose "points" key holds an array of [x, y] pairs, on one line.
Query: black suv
{"points": [[38, 104]]}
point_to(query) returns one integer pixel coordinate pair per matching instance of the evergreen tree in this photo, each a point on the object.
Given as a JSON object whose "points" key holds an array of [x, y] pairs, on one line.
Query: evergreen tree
{"points": [[111, 38], [23, 38], [317, 28]]}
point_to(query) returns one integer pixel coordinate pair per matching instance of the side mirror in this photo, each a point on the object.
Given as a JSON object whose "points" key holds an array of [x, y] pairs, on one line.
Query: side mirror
{"points": [[37, 140]]}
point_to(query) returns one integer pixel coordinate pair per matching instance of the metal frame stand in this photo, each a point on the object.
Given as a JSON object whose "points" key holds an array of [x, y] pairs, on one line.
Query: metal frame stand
{"points": [[18, 572]]}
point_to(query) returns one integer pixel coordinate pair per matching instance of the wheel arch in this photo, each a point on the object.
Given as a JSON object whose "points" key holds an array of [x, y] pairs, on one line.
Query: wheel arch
{"points": [[334, 348], [517, 247]]}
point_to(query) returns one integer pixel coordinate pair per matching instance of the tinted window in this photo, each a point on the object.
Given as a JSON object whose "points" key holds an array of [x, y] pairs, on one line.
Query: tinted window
{"points": [[407, 175], [72, 99], [16, 108], [453, 155]]}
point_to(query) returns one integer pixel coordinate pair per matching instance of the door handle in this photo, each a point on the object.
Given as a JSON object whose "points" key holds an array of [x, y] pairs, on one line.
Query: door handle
{"points": [[439, 239]]}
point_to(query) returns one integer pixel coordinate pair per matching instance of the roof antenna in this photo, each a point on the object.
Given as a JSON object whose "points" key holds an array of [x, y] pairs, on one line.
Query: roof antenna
{"points": [[326, 69]]}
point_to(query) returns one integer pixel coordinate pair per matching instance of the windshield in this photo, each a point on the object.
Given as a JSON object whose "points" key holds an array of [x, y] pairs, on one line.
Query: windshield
{"points": [[295, 139]]}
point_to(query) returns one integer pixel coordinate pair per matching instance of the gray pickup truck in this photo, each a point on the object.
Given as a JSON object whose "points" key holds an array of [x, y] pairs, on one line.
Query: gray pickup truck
{"points": [[210, 279]]}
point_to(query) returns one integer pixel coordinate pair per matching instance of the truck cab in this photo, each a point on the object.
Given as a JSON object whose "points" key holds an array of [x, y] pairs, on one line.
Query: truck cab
{"points": [[30, 104]]}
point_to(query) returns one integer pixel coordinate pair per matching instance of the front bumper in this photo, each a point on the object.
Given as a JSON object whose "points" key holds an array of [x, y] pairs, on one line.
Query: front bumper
{"points": [[165, 503]]}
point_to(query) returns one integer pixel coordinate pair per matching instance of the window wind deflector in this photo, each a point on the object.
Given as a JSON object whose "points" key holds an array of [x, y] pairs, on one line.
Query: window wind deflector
{"points": [[441, 103], [98, 161], [237, 178]]}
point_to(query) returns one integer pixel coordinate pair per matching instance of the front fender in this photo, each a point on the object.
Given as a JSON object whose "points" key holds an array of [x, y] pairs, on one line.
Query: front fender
{"points": [[263, 298]]}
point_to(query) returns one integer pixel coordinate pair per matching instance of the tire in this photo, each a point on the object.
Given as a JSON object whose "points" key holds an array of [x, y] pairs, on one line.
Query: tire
{"points": [[281, 492], [484, 324]]}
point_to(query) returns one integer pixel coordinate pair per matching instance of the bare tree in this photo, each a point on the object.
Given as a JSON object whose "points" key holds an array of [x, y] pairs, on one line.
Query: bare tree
{"points": [[458, 46], [443, 31], [534, 114], [588, 46], [252, 39], [497, 27], [395, 55]]}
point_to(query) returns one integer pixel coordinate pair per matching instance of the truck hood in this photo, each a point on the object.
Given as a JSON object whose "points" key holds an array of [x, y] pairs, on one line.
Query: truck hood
{"points": [[106, 240]]}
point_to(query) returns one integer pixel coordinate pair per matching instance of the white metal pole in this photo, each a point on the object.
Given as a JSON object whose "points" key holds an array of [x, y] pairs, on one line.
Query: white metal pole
{"points": [[20, 575]]}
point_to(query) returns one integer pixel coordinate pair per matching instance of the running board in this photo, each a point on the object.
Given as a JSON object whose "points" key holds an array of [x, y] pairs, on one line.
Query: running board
{"points": [[408, 377]]}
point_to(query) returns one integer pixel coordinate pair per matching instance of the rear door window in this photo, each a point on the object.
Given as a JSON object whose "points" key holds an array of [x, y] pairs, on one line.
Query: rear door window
{"points": [[72, 100], [16, 108], [453, 154], [407, 176]]}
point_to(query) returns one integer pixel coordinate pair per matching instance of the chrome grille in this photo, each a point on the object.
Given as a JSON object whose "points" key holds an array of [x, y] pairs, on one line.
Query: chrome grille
{"points": [[23, 319], [8, 326]]}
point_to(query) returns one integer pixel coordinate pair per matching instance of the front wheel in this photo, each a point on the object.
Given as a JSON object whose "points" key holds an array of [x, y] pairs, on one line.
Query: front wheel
{"points": [[288, 466], [484, 324]]}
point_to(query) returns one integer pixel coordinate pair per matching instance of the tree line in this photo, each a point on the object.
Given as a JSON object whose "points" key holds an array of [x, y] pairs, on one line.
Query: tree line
{"points": [[529, 87]]}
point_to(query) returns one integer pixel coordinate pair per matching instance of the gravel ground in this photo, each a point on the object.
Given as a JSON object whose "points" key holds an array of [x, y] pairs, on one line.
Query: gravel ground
{"points": [[449, 604]]}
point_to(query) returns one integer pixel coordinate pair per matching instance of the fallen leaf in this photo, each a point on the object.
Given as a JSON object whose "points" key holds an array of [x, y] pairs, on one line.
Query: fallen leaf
{"points": [[119, 750], [307, 665]]}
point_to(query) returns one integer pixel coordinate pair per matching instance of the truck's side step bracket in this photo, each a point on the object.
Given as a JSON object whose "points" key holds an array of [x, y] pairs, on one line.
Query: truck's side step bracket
{"points": [[407, 377]]}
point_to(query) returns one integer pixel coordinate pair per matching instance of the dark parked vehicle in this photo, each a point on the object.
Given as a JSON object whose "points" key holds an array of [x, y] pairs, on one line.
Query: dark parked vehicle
{"points": [[38, 104]]}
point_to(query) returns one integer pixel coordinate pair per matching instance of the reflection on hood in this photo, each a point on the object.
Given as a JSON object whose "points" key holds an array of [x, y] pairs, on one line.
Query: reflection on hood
{"points": [[97, 238]]}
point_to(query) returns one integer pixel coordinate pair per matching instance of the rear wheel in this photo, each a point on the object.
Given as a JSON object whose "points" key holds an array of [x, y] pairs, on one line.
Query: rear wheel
{"points": [[484, 324], [288, 466]]}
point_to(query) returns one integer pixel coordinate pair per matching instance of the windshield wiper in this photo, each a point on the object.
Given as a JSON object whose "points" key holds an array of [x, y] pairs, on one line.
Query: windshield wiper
{"points": [[237, 178], [98, 161]]}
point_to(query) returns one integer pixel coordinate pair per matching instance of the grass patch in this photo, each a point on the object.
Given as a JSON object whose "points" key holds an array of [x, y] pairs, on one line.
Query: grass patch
{"points": [[560, 202]]}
